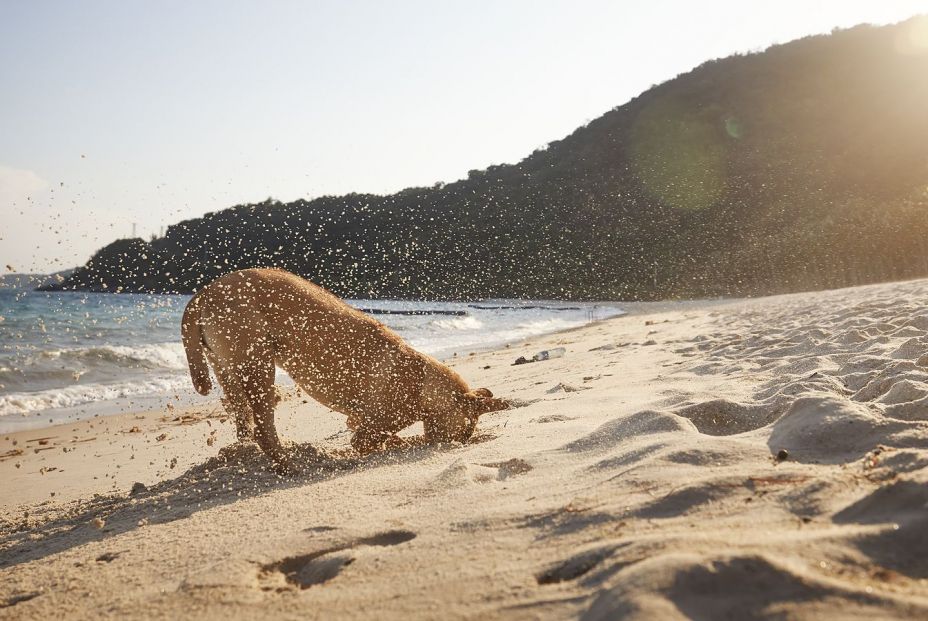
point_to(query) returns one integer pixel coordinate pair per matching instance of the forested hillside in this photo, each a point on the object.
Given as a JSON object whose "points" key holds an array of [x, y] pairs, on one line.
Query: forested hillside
{"points": [[804, 166]]}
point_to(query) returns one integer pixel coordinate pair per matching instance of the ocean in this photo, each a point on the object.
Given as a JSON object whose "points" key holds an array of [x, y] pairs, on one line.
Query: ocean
{"points": [[68, 356]]}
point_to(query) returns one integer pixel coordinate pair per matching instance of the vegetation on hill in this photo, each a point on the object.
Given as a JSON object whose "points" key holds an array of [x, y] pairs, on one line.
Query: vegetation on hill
{"points": [[801, 167]]}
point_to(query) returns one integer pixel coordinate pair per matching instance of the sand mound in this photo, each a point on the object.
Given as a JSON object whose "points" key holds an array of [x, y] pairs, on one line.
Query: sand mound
{"points": [[620, 430], [830, 430], [732, 587]]}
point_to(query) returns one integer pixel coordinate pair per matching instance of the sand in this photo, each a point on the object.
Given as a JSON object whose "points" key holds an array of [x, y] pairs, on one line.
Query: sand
{"points": [[748, 459]]}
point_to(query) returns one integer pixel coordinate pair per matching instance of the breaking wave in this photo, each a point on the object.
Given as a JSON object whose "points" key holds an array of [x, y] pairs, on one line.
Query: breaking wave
{"points": [[71, 396]]}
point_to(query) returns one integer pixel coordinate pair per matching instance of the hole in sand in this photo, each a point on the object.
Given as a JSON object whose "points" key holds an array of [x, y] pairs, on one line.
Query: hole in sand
{"points": [[20, 597], [307, 570], [721, 417], [389, 538], [319, 529], [574, 567], [310, 570]]}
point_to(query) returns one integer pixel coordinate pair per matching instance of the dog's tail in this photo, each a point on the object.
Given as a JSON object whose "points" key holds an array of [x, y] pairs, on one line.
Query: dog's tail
{"points": [[192, 337]]}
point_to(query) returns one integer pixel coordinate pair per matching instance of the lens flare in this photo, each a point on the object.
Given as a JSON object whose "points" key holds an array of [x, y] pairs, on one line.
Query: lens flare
{"points": [[679, 153], [733, 127]]}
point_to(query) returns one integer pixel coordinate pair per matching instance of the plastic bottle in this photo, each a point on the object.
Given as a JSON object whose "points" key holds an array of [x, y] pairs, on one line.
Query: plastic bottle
{"points": [[548, 354]]}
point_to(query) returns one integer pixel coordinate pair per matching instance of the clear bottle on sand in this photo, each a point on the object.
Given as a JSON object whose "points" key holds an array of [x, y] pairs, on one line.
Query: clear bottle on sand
{"points": [[548, 354]]}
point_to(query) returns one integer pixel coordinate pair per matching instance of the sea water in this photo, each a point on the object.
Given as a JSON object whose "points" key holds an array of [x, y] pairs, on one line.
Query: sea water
{"points": [[67, 356]]}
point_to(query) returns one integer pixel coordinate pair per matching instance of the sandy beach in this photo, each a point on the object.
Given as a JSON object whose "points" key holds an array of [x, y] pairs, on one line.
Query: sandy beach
{"points": [[742, 459]]}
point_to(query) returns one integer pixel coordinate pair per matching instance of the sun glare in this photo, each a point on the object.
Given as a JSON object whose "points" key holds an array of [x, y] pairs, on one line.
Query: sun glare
{"points": [[914, 38]]}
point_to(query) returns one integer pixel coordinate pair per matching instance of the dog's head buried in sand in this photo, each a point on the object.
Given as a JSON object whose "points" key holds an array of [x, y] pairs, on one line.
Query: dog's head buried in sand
{"points": [[245, 323]]}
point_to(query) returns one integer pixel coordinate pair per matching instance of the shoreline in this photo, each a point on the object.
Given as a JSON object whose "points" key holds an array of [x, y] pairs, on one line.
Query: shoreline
{"points": [[142, 394], [186, 408], [182, 392], [682, 457]]}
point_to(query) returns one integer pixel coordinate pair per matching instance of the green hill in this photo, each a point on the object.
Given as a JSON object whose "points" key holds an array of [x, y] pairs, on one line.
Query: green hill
{"points": [[801, 167]]}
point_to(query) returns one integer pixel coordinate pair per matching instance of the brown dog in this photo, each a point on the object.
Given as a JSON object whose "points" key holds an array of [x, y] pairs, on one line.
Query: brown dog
{"points": [[246, 322]]}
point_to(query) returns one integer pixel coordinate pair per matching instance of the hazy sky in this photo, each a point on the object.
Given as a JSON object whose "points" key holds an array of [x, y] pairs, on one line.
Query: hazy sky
{"points": [[120, 112]]}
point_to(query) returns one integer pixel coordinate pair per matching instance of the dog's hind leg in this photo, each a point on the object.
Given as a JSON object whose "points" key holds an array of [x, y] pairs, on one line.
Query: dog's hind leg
{"points": [[236, 404], [257, 376], [233, 400]]}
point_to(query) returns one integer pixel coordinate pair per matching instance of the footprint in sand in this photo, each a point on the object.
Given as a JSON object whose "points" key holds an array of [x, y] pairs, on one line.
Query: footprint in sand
{"points": [[459, 473], [575, 566], [306, 570]]}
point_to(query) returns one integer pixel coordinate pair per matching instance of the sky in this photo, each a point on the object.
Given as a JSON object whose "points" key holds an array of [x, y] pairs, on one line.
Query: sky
{"points": [[127, 115]]}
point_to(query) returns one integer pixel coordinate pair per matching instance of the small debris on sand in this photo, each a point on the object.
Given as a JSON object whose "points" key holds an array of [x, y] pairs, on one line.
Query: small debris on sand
{"points": [[562, 387], [552, 418], [10, 454], [608, 347]]}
